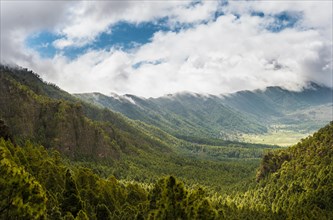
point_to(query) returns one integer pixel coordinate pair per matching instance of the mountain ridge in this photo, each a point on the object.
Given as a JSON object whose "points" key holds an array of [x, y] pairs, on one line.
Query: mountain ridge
{"points": [[65, 123], [224, 116]]}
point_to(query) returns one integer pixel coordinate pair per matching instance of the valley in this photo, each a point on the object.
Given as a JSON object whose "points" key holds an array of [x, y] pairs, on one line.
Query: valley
{"points": [[271, 116], [146, 153], [166, 110]]}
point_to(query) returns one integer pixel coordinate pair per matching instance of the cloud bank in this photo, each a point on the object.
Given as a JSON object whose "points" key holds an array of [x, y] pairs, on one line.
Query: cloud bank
{"points": [[205, 47]]}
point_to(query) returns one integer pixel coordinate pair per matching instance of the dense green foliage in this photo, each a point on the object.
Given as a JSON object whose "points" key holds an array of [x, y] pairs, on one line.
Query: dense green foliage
{"points": [[46, 187], [21, 195], [296, 184]]}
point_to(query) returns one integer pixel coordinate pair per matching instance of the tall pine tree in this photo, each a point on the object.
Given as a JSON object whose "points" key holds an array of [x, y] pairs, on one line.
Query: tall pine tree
{"points": [[71, 199]]}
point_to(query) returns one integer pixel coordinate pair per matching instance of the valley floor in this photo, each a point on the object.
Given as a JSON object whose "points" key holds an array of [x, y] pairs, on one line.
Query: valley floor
{"points": [[283, 138]]}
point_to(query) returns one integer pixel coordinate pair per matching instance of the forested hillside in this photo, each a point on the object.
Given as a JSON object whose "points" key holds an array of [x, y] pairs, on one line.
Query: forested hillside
{"points": [[276, 101], [302, 111], [36, 183], [228, 117], [182, 114], [295, 183], [28, 107]]}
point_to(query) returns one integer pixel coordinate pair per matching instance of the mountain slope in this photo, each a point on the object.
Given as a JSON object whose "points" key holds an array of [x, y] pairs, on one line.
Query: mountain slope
{"points": [[296, 183], [65, 125], [181, 114], [229, 116], [274, 102]]}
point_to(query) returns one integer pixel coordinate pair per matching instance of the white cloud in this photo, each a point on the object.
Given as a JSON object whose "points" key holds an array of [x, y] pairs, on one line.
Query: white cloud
{"points": [[62, 43], [316, 14], [197, 13], [225, 55], [19, 19], [88, 18]]}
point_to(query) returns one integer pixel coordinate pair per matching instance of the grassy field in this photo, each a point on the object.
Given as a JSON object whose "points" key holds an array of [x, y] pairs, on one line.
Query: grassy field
{"points": [[293, 127], [278, 134], [282, 138]]}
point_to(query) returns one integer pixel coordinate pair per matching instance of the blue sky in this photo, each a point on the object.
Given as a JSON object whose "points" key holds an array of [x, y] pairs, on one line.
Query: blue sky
{"points": [[42, 42], [123, 35], [126, 35], [152, 48]]}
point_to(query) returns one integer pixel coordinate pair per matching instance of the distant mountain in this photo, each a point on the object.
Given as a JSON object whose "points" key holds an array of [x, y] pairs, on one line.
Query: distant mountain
{"points": [[34, 110], [183, 114], [303, 111], [225, 116], [275, 102]]}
